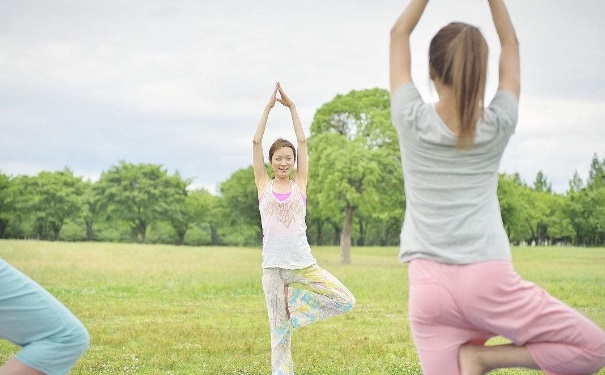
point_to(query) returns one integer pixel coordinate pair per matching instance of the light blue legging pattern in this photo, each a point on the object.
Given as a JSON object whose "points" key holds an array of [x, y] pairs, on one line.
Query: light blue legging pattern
{"points": [[52, 339], [313, 294]]}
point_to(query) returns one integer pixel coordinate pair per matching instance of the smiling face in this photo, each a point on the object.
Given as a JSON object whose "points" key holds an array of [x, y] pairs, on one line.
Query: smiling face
{"points": [[282, 162]]}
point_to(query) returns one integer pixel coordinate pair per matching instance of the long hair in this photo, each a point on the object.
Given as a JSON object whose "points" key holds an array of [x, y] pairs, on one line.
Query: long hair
{"points": [[458, 57]]}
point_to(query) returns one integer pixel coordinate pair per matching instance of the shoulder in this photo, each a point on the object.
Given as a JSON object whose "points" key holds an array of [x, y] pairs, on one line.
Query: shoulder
{"points": [[263, 186], [407, 107], [405, 94], [503, 109]]}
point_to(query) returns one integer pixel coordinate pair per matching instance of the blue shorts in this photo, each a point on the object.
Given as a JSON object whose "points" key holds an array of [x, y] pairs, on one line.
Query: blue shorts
{"points": [[51, 337]]}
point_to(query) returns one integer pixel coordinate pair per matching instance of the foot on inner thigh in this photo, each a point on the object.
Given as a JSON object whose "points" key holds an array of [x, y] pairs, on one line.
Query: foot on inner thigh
{"points": [[470, 360]]}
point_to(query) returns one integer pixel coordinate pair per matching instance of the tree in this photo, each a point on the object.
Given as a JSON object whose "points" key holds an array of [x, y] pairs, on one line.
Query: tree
{"points": [[6, 208], [240, 201], [596, 174], [49, 199], [206, 210], [139, 194], [198, 206], [90, 209], [346, 156], [541, 183], [575, 184], [513, 207], [585, 206]]}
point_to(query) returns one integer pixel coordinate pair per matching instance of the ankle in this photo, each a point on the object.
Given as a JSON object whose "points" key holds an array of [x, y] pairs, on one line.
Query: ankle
{"points": [[471, 360]]}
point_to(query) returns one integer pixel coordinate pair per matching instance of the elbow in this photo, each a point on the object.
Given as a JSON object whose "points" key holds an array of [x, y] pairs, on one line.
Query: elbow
{"points": [[511, 40], [401, 30], [397, 32]]}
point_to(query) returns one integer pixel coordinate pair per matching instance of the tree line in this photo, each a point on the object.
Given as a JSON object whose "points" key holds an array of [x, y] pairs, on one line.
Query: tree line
{"points": [[355, 196]]}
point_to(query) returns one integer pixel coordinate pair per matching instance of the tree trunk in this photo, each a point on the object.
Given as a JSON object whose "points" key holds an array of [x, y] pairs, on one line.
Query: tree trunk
{"points": [[56, 228], [3, 226], [361, 240], [90, 234], [214, 235], [319, 234], [337, 234], [345, 237]]}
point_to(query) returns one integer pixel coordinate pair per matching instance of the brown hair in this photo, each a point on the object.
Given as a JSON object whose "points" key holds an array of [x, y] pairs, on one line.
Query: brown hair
{"points": [[458, 57], [279, 143]]}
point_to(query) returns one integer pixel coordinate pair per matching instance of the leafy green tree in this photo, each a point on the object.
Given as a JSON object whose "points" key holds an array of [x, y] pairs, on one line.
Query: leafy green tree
{"points": [[90, 211], [541, 183], [239, 199], [49, 199], [596, 174], [345, 156], [558, 223], [207, 210], [512, 207], [198, 206], [6, 208], [575, 184], [139, 194], [585, 205]]}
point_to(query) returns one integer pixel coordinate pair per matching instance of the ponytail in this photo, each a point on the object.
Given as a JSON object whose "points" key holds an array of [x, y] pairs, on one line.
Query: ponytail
{"points": [[458, 56]]}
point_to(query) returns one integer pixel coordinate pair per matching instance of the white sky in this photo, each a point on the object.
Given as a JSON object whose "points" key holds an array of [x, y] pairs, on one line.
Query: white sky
{"points": [[86, 83]]}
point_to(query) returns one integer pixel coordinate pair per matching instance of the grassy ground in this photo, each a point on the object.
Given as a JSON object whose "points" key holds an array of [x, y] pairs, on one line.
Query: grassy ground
{"points": [[154, 309]]}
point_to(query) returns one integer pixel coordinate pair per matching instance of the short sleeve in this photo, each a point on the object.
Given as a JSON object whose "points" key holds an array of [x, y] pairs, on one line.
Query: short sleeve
{"points": [[505, 108], [406, 103]]}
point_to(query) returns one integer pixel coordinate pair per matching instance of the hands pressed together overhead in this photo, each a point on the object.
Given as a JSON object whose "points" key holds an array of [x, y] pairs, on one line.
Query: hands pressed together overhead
{"points": [[283, 98]]}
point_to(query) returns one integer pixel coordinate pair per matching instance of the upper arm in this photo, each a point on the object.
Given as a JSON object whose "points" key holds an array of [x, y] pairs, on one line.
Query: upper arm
{"points": [[510, 69], [302, 167], [400, 70], [260, 173]]}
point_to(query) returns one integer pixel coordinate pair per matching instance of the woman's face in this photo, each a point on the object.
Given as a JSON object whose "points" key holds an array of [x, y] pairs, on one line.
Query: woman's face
{"points": [[283, 162]]}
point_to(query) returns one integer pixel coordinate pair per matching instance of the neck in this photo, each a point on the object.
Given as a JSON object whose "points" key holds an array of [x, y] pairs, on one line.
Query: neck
{"points": [[446, 106], [281, 180]]}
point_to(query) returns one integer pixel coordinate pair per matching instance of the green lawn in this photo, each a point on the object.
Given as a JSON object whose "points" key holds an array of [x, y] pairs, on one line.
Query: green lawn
{"points": [[154, 309]]}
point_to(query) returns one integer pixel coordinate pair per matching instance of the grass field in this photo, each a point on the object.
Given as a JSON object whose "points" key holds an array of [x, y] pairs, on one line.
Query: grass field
{"points": [[154, 309]]}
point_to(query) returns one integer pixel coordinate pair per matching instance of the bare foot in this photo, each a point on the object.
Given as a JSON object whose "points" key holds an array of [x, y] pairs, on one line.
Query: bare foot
{"points": [[469, 359]]}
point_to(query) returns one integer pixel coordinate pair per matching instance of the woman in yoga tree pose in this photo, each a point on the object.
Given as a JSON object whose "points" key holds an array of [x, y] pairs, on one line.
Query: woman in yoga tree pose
{"points": [[463, 288], [297, 291]]}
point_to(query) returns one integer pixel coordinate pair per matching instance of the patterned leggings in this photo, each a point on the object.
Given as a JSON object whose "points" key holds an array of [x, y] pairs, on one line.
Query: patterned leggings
{"points": [[315, 296]]}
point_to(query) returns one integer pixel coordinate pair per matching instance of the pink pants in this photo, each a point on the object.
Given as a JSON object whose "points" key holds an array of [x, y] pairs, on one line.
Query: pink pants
{"points": [[451, 305]]}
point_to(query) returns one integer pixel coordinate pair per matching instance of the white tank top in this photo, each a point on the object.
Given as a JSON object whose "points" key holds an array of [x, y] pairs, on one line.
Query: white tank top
{"points": [[285, 242]]}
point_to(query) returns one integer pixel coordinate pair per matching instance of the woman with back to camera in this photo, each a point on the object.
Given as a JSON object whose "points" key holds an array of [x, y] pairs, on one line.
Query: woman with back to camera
{"points": [[463, 288], [287, 257]]}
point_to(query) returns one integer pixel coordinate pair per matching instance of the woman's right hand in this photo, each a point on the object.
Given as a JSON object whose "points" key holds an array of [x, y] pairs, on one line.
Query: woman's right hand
{"points": [[273, 97]]}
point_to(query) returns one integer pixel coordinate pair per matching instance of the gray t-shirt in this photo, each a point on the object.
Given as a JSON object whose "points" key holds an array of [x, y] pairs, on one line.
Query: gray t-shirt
{"points": [[452, 212]]}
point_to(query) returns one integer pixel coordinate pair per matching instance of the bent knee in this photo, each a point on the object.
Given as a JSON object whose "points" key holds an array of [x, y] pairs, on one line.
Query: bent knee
{"points": [[598, 355], [81, 341], [349, 303], [74, 342]]}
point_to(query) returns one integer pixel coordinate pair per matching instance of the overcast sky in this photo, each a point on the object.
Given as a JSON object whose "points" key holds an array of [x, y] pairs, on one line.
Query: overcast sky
{"points": [[85, 84]]}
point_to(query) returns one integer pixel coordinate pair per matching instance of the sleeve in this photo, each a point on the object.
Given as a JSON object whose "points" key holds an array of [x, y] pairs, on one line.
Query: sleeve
{"points": [[505, 108], [406, 104]]}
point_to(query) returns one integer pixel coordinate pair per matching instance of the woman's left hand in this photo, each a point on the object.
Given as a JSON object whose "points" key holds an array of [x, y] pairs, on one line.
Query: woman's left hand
{"points": [[284, 99]]}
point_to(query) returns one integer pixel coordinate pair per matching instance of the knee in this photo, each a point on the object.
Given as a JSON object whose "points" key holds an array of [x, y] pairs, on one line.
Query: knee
{"points": [[598, 354], [349, 302], [76, 341]]}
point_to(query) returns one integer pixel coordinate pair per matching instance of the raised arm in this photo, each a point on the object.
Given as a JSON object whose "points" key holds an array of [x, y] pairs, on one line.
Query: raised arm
{"points": [[260, 173], [400, 60], [509, 71], [302, 161]]}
